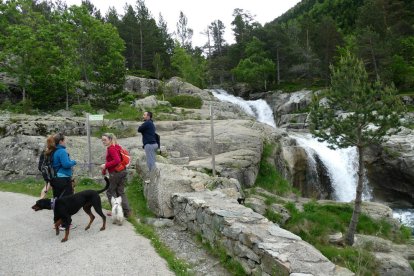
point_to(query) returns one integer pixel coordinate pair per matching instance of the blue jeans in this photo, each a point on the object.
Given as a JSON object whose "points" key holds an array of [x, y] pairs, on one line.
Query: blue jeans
{"points": [[150, 150]]}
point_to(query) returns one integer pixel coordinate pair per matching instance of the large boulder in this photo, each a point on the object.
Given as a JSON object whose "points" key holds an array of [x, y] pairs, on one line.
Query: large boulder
{"points": [[168, 179], [390, 170], [392, 258], [140, 85], [283, 104], [12, 125]]}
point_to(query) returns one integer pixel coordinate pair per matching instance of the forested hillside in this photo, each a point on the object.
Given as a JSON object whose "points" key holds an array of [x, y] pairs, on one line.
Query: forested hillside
{"points": [[68, 54]]}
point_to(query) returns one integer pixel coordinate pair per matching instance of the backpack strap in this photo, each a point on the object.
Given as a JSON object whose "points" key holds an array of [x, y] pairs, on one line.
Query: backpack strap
{"points": [[51, 162]]}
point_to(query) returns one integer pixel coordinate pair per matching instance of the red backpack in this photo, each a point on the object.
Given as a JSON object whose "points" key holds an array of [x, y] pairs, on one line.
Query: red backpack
{"points": [[125, 160]]}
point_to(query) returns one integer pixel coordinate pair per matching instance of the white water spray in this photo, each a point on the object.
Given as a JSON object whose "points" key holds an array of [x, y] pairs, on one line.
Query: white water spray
{"points": [[341, 166], [258, 108]]}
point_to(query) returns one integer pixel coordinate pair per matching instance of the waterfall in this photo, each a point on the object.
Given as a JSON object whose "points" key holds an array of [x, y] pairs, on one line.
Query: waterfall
{"points": [[259, 108], [341, 164], [405, 216]]}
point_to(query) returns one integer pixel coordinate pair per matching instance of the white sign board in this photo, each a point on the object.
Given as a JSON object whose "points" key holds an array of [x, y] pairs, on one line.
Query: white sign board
{"points": [[97, 117]]}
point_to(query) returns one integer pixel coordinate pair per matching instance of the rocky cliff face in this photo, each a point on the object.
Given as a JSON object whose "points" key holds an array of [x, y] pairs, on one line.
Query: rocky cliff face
{"points": [[390, 170]]}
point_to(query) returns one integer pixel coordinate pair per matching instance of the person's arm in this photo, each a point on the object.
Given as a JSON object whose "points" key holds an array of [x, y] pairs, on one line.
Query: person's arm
{"points": [[143, 127], [115, 156], [65, 160]]}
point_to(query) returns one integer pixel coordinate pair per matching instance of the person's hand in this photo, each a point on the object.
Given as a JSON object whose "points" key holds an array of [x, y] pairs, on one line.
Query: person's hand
{"points": [[103, 166]]}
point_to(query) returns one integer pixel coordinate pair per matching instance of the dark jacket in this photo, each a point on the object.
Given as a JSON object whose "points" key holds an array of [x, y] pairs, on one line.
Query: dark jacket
{"points": [[147, 130]]}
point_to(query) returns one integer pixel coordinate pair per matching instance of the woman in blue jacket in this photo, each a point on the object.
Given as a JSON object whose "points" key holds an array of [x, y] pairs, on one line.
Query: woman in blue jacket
{"points": [[62, 166]]}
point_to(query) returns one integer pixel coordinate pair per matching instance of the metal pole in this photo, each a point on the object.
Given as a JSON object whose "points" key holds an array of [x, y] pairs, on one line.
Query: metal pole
{"points": [[88, 134], [213, 160]]}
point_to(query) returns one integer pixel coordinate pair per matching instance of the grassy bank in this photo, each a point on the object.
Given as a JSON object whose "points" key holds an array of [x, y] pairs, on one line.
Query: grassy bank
{"points": [[316, 222]]}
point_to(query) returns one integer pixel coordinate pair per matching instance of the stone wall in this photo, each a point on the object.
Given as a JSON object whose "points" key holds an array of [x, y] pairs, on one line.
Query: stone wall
{"points": [[260, 246]]}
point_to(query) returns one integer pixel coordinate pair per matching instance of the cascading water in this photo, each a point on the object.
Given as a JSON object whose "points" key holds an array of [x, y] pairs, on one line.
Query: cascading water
{"points": [[258, 108], [341, 164]]}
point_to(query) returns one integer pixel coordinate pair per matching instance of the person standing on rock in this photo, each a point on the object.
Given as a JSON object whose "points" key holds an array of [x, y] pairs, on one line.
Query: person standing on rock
{"points": [[147, 129], [117, 179]]}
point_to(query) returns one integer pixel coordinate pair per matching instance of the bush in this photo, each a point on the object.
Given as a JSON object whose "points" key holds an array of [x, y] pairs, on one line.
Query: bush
{"points": [[125, 112], [80, 109], [119, 133], [270, 179], [186, 101], [25, 107]]}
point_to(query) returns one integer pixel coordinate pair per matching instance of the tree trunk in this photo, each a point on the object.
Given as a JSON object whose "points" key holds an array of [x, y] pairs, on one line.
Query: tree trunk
{"points": [[278, 66], [24, 94], [142, 45], [349, 238], [374, 60], [67, 97]]}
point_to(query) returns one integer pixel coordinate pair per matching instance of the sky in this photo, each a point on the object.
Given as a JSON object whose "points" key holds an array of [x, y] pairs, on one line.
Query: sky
{"points": [[200, 14]]}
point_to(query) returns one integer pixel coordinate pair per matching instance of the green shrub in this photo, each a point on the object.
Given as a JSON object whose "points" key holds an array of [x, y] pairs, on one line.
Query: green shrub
{"points": [[25, 107], [359, 261], [270, 179], [125, 112], [186, 101], [273, 216], [79, 109], [119, 133]]}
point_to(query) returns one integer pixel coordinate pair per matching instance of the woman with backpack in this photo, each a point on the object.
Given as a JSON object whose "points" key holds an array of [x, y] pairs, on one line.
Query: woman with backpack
{"points": [[44, 159], [117, 173]]}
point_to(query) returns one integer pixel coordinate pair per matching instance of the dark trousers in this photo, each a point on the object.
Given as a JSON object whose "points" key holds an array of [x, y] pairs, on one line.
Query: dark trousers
{"points": [[62, 186], [117, 188]]}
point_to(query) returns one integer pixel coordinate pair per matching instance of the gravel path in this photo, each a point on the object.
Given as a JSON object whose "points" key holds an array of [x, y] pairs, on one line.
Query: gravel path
{"points": [[29, 245]]}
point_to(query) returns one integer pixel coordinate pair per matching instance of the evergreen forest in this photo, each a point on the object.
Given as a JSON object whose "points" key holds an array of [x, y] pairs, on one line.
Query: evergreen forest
{"points": [[55, 53]]}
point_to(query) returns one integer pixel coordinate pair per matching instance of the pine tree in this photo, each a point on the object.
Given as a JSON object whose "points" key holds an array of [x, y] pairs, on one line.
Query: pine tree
{"points": [[356, 113]]}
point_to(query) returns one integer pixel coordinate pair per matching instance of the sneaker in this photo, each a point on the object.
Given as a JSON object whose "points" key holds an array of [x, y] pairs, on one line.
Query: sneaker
{"points": [[72, 226]]}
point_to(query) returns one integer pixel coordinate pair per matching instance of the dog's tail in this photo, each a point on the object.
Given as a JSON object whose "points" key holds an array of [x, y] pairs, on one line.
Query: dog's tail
{"points": [[106, 186]]}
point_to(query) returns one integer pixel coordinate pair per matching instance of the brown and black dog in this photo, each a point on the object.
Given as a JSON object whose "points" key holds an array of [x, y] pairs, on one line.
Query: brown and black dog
{"points": [[64, 208]]}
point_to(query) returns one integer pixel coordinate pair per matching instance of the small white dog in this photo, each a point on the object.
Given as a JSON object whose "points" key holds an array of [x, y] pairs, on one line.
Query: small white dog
{"points": [[117, 212]]}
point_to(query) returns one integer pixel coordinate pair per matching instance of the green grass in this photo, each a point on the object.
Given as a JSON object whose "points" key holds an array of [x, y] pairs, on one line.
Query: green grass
{"points": [[360, 261], [31, 186], [137, 203], [186, 101], [270, 179], [119, 133], [125, 112], [317, 222], [234, 267]]}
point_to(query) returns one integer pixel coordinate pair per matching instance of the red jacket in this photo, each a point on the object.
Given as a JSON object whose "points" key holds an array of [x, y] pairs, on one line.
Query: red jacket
{"points": [[113, 157]]}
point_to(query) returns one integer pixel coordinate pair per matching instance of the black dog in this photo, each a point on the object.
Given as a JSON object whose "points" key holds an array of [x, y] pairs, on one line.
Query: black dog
{"points": [[64, 208]]}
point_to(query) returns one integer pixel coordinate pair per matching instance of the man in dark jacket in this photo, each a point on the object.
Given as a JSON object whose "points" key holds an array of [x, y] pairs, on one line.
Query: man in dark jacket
{"points": [[147, 129]]}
